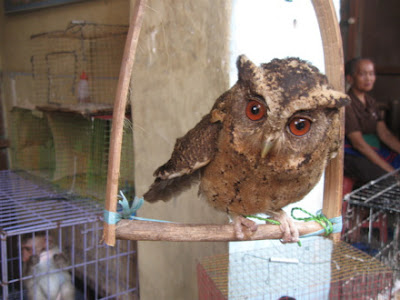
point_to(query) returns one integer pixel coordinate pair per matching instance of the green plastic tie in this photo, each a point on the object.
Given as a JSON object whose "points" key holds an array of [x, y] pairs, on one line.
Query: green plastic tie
{"points": [[319, 218]]}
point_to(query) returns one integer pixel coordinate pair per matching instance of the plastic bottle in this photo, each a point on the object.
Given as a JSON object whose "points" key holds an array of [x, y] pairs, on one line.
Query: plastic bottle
{"points": [[83, 89]]}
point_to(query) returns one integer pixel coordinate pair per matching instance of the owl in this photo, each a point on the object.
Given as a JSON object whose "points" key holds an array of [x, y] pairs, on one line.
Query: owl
{"points": [[263, 145]]}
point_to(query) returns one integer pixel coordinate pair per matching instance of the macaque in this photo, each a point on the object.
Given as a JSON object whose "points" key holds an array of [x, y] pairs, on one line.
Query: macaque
{"points": [[43, 260]]}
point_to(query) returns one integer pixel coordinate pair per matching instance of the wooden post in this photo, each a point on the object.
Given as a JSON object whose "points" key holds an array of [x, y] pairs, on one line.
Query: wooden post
{"points": [[114, 159], [334, 69]]}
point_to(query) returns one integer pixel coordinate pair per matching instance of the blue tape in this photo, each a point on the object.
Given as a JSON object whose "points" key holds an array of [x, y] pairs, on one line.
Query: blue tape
{"points": [[337, 225], [111, 217], [125, 212]]}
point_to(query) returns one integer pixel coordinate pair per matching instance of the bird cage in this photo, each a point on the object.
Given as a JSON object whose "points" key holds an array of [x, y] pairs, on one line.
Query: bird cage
{"points": [[29, 208], [70, 151], [61, 57], [372, 219], [320, 269]]}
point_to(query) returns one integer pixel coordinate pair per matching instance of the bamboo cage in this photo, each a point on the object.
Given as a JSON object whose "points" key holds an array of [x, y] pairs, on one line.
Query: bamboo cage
{"points": [[126, 229]]}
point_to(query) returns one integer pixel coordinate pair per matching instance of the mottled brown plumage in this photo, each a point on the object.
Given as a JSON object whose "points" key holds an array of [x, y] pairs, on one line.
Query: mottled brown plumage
{"points": [[264, 144]]}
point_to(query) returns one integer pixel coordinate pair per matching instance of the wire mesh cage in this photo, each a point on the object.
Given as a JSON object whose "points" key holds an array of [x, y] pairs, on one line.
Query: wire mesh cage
{"points": [[70, 151], [372, 219], [46, 235], [320, 269], [60, 58]]}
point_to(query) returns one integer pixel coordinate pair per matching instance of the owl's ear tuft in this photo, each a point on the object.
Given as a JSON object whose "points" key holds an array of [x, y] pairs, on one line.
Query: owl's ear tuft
{"points": [[217, 115], [247, 69], [331, 98], [338, 99]]}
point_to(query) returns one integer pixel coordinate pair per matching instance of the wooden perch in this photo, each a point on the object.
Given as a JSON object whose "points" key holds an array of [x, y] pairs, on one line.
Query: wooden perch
{"points": [[173, 232]]}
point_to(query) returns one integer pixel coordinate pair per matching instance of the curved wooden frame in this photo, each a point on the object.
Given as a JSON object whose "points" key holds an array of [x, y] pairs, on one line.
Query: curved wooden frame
{"points": [[153, 231]]}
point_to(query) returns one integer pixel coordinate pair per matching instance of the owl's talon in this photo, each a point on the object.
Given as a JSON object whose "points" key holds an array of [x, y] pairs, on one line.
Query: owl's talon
{"points": [[238, 222], [288, 228]]}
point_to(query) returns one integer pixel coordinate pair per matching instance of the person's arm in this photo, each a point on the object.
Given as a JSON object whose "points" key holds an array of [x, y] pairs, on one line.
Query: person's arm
{"points": [[361, 145], [387, 137]]}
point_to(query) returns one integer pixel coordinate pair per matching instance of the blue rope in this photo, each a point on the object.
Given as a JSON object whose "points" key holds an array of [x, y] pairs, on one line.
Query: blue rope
{"points": [[127, 212], [111, 217]]}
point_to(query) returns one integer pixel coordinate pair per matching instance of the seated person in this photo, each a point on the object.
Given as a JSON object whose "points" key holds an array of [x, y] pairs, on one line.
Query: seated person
{"points": [[371, 150]]}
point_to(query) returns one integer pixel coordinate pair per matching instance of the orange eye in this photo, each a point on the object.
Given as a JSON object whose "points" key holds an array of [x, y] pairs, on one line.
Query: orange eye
{"points": [[255, 110], [299, 126]]}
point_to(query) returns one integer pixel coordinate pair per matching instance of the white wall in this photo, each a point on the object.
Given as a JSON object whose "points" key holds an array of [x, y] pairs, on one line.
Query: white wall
{"points": [[264, 30]]}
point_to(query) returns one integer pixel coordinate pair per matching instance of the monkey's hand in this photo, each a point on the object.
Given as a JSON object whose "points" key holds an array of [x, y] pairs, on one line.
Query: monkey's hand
{"points": [[60, 260], [34, 260]]}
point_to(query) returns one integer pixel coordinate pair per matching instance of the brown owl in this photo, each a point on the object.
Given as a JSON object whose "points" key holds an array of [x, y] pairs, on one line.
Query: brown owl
{"points": [[264, 144]]}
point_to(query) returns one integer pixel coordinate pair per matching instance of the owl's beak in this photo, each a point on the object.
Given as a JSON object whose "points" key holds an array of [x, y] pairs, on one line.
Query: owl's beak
{"points": [[267, 146]]}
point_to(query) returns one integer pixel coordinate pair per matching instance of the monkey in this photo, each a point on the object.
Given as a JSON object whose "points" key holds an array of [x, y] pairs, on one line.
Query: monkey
{"points": [[42, 261]]}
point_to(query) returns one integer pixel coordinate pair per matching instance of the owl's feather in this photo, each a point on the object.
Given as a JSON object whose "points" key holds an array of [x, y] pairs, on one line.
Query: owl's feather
{"points": [[191, 152]]}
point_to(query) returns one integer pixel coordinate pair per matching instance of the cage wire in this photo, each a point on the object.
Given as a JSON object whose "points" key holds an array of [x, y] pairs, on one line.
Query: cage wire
{"points": [[70, 151], [372, 219], [55, 136], [320, 269], [29, 208], [60, 57]]}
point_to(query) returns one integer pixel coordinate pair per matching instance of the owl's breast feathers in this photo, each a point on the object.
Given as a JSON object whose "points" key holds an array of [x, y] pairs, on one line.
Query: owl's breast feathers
{"points": [[244, 184]]}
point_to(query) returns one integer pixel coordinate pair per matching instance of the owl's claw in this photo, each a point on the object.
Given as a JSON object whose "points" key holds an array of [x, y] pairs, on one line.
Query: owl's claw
{"points": [[288, 228], [238, 221]]}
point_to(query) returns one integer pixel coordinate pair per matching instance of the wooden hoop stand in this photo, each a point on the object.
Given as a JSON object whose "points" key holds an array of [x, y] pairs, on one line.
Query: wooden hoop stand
{"points": [[154, 231]]}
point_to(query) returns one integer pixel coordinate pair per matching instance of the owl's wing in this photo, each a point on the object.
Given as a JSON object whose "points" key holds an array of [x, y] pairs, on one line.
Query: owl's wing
{"points": [[191, 152]]}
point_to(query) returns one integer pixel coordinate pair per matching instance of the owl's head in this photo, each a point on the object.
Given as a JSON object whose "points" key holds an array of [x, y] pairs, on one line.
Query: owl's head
{"points": [[283, 107]]}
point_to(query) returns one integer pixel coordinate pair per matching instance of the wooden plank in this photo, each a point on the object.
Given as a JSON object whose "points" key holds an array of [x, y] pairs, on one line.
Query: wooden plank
{"points": [[82, 109], [114, 160], [172, 232], [334, 69]]}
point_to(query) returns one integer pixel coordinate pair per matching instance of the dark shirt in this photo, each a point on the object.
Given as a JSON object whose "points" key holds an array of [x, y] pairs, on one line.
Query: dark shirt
{"points": [[360, 117]]}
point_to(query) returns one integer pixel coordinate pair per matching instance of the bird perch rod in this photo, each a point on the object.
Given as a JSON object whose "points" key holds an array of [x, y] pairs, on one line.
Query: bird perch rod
{"points": [[173, 232], [119, 115]]}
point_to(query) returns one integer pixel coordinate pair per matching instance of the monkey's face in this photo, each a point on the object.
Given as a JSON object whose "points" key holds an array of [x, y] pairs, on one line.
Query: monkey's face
{"points": [[39, 244]]}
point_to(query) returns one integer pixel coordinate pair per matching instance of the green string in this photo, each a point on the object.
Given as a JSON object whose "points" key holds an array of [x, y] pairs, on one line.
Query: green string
{"points": [[265, 219], [319, 218], [270, 221]]}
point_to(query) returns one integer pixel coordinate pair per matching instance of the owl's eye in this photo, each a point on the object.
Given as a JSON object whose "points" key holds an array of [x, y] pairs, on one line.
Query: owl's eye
{"points": [[255, 110], [299, 126]]}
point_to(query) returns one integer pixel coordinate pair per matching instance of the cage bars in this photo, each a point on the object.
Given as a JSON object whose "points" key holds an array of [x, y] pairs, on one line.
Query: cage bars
{"points": [[27, 207]]}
